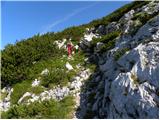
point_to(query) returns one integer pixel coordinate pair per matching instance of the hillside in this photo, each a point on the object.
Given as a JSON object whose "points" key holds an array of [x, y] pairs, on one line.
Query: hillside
{"points": [[113, 74]]}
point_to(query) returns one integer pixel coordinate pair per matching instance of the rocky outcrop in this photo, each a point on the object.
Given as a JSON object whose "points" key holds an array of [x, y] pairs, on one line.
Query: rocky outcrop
{"points": [[5, 103], [126, 86]]}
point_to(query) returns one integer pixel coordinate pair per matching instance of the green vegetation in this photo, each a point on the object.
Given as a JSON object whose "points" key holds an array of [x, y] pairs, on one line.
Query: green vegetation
{"points": [[55, 77], [109, 41], [106, 38], [92, 67], [36, 89], [19, 90], [116, 15], [58, 74], [47, 109], [3, 95], [143, 17], [140, 19], [23, 87], [75, 33], [120, 53], [18, 59], [108, 46]]}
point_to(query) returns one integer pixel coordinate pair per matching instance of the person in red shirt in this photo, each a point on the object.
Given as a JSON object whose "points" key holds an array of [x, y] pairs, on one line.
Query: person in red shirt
{"points": [[69, 49]]}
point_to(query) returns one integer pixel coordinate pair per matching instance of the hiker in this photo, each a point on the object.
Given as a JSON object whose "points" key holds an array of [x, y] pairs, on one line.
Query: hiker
{"points": [[69, 48]]}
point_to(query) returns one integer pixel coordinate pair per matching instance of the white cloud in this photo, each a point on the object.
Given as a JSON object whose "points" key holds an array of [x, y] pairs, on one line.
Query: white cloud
{"points": [[49, 27]]}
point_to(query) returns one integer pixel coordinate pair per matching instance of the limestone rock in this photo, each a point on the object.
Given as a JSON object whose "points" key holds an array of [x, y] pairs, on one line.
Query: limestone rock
{"points": [[69, 66], [45, 72], [35, 83], [5, 103], [60, 43]]}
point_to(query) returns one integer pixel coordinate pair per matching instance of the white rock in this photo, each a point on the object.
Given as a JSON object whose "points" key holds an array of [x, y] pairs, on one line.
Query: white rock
{"points": [[113, 26], [99, 45], [78, 66], [35, 83], [60, 43], [69, 66], [25, 95], [88, 37], [4, 90], [45, 72]]}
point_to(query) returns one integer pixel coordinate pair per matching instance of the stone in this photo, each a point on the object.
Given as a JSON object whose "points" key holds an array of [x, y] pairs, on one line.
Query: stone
{"points": [[69, 66], [76, 85], [24, 95], [101, 30], [88, 37], [5, 106], [60, 43], [45, 72], [98, 46], [4, 90], [35, 83], [113, 26]]}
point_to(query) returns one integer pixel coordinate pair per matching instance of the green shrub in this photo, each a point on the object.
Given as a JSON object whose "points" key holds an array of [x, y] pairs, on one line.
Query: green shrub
{"points": [[19, 90], [55, 77], [108, 46], [47, 109], [3, 95], [36, 89], [120, 53], [106, 38], [92, 67], [78, 59], [18, 58], [144, 17]]}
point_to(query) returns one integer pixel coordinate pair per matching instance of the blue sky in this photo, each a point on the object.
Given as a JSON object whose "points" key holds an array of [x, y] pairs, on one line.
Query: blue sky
{"points": [[21, 20]]}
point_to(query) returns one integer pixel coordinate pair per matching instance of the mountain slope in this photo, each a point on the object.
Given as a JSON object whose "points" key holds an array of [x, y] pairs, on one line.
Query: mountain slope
{"points": [[114, 75]]}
